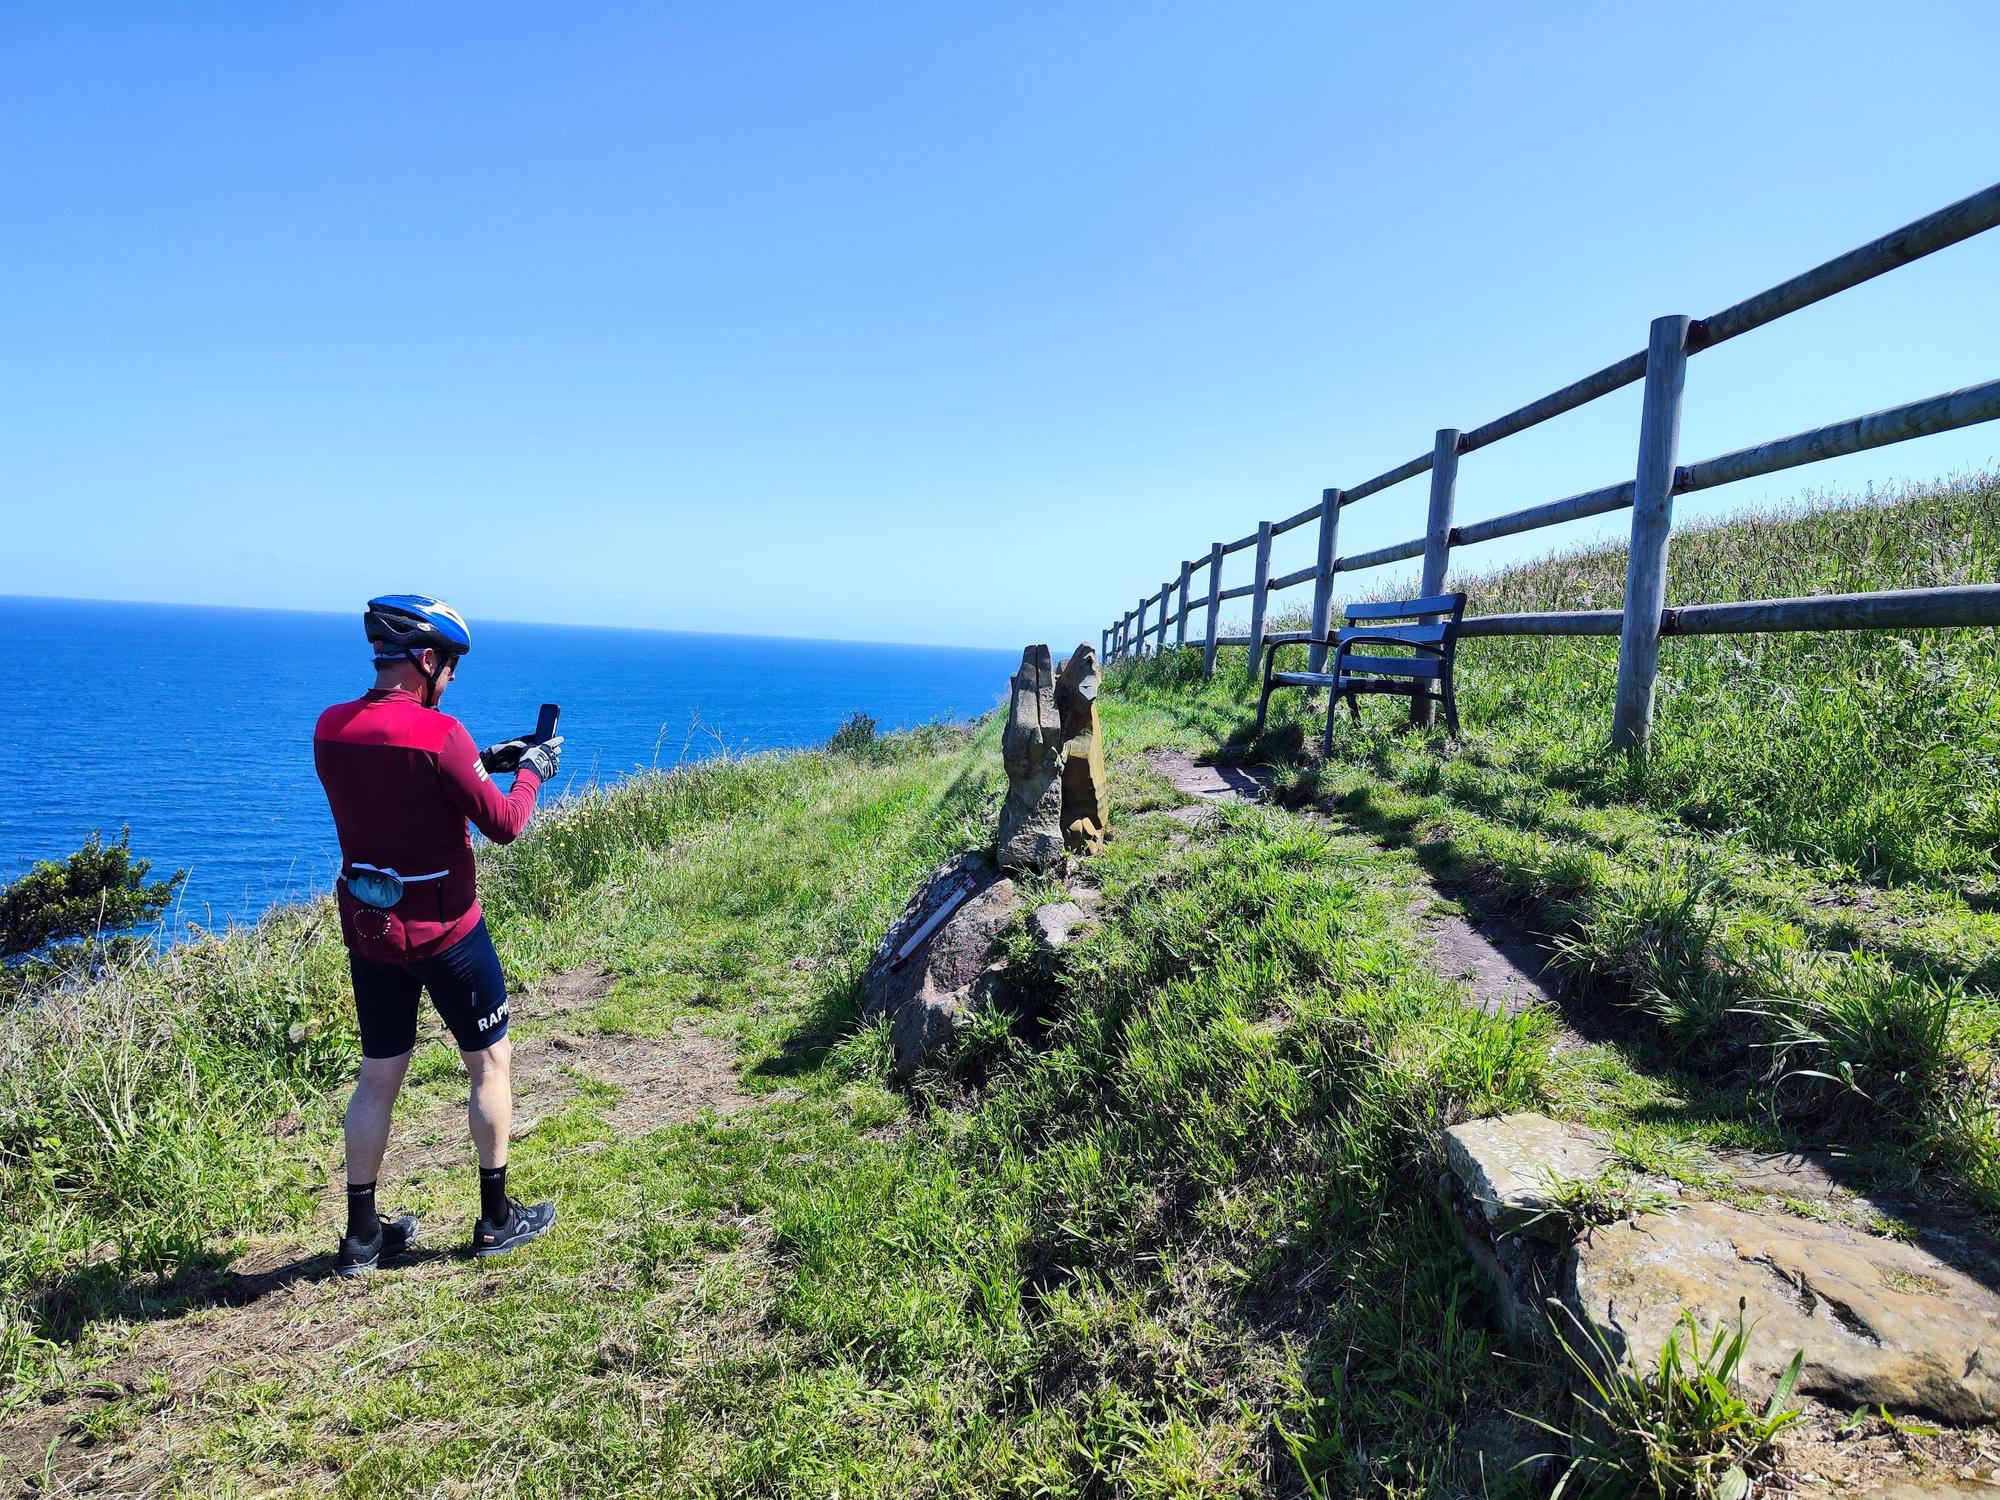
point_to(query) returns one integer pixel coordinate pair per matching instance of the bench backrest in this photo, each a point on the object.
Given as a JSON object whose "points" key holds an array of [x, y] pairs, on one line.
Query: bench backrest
{"points": [[1410, 609], [1430, 637]]}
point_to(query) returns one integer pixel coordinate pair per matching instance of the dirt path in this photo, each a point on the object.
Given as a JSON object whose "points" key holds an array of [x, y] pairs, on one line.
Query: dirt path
{"points": [[275, 1308], [1497, 959]]}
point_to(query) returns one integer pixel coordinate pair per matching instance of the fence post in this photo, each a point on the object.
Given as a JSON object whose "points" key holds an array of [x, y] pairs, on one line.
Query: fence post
{"points": [[1437, 539], [1139, 635], [1160, 635], [1259, 596], [1329, 538], [1104, 644], [1180, 625], [1652, 519], [1214, 607]]}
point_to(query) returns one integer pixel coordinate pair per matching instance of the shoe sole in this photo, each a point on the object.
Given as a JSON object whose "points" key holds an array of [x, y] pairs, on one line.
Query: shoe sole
{"points": [[512, 1245]]}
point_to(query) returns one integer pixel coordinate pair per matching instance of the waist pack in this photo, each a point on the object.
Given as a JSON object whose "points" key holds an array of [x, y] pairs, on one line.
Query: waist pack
{"points": [[381, 888]]}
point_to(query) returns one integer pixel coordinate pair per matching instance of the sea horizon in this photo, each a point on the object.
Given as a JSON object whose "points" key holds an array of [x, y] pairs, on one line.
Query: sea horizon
{"points": [[192, 724], [355, 612]]}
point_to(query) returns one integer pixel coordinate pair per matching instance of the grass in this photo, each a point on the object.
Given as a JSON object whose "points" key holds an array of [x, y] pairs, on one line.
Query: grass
{"points": [[1175, 1232], [150, 1114], [1173, 1245], [1796, 888], [1680, 1430]]}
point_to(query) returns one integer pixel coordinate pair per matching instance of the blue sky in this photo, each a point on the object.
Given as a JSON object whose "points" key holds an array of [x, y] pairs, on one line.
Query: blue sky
{"points": [[929, 323]]}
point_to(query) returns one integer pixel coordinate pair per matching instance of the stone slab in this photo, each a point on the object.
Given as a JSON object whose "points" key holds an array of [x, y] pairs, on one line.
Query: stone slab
{"points": [[1879, 1321], [1505, 1166]]}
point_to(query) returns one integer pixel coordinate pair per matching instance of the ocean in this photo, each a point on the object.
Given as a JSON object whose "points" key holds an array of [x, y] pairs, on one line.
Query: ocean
{"points": [[193, 726]]}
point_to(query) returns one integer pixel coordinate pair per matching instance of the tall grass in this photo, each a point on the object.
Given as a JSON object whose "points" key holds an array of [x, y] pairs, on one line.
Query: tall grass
{"points": [[1202, 1212], [1873, 751], [1798, 883], [152, 1111]]}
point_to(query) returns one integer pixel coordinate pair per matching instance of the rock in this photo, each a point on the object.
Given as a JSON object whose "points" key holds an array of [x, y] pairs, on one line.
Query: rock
{"points": [[1031, 836], [1507, 1165], [1880, 1321], [1053, 924], [1086, 805], [1496, 1187], [1914, 1326], [953, 972]]}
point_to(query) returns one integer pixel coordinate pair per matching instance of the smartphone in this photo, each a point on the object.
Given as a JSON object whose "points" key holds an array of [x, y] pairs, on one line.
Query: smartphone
{"points": [[545, 726]]}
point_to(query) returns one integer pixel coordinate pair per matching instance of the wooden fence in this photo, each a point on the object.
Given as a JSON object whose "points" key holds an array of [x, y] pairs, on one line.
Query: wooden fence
{"points": [[1649, 495]]}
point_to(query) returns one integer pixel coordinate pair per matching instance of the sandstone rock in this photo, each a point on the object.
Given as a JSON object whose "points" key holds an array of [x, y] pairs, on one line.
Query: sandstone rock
{"points": [[1053, 924], [1496, 1187], [1507, 1165], [1086, 806], [952, 973], [1913, 1326], [1879, 1320], [1031, 836]]}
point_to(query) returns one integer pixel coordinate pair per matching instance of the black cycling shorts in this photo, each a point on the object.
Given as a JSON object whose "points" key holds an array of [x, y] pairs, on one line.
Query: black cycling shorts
{"points": [[465, 985]]}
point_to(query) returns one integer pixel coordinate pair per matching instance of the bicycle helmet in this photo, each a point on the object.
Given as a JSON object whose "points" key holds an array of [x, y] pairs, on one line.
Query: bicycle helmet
{"points": [[401, 625]]}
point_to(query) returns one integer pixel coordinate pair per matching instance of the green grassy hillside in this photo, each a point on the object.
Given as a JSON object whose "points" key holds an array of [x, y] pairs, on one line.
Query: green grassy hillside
{"points": [[1798, 884], [1176, 1232]]}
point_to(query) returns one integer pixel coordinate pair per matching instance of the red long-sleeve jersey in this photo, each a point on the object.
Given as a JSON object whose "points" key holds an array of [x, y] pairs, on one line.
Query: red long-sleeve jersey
{"points": [[401, 780]]}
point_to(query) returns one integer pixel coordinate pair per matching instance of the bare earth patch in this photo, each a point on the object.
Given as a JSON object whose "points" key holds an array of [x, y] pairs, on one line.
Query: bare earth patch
{"points": [[274, 1310]]}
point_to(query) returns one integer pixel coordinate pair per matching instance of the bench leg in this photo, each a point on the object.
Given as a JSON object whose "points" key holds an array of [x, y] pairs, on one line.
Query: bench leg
{"points": [[1450, 704]]}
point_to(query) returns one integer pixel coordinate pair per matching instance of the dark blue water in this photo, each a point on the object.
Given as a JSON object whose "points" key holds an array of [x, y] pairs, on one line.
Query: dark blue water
{"points": [[194, 726]]}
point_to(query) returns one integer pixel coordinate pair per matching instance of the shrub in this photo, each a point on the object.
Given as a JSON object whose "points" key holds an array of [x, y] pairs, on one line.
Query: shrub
{"points": [[86, 901], [856, 738]]}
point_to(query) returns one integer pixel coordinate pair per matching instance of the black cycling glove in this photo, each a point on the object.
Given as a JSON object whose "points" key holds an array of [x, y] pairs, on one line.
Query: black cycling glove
{"points": [[505, 756], [543, 759]]}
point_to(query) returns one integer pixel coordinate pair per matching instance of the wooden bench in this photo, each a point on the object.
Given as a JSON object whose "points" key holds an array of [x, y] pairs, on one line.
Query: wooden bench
{"points": [[1424, 674]]}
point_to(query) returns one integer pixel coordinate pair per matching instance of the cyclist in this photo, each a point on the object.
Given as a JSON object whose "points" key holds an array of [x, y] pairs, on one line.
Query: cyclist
{"points": [[402, 779]]}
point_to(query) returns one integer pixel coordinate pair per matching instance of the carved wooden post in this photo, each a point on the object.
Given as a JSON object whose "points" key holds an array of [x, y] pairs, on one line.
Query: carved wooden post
{"points": [[1214, 608], [1437, 538], [1329, 538], [1180, 625], [1652, 519], [1259, 596]]}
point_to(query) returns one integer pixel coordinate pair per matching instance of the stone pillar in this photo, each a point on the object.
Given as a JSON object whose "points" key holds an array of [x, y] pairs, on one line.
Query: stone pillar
{"points": [[1031, 748], [1086, 807]]}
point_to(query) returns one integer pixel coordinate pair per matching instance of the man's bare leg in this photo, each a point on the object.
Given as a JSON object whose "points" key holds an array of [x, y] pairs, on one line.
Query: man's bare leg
{"points": [[367, 1239], [368, 1114], [503, 1224], [490, 1111]]}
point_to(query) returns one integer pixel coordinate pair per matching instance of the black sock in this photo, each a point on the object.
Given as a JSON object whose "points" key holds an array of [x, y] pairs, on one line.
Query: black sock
{"points": [[362, 1220], [493, 1194]]}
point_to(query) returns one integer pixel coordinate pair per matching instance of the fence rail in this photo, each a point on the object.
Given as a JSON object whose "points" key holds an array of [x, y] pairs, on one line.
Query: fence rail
{"points": [[1645, 617]]}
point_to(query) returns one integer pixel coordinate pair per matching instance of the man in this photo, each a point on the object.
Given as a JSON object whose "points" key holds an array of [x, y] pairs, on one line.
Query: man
{"points": [[402, 779]]}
